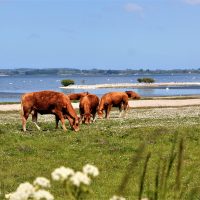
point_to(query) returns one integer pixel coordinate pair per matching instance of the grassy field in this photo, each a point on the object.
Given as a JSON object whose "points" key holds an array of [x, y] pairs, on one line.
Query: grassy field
{"points": [[110, 145]]}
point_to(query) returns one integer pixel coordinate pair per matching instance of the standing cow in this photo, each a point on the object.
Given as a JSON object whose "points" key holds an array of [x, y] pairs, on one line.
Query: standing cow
{"points": [[88, 107], [112, 99], [132, 95], [48, 102]]}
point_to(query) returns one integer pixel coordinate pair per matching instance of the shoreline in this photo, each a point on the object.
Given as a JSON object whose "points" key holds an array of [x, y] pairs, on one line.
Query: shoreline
{"points": [[143, 103], [134, 85]]}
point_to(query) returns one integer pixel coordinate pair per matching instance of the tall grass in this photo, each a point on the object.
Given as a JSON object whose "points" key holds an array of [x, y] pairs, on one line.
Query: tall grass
{"points": [[169, 169]]}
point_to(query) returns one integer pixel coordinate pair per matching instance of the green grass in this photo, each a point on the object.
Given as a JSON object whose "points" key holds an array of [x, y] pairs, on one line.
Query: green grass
{"points": [[108, 144], [5, 103]]}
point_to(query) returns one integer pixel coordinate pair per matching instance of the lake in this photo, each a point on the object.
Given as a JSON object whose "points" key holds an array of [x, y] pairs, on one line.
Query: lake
{"points": [[12, 87]]}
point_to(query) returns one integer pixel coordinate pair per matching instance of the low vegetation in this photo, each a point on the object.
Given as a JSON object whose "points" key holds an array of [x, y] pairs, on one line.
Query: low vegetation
{"points": [[67, 82], [145, 80], [150, 153]]}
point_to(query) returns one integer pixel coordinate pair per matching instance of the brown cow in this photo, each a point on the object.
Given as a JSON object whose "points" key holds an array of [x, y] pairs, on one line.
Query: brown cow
{"points": [[112, 99], [132, 95], [77, 96], [88, 107], [48, 102]]}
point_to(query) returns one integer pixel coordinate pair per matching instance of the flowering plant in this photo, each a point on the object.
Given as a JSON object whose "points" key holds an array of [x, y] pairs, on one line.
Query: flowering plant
{"points": [[75, 184], [27, 191]]}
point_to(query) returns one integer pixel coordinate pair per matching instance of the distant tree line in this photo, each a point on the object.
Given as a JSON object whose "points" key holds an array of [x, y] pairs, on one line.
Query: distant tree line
{"points": [[71, 71]]}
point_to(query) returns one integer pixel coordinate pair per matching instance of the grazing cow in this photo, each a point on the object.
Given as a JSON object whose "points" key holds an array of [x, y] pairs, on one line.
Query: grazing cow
{"points": [[48, 102], [112, 99], [132, 95], [88, 107], [77, 96]]}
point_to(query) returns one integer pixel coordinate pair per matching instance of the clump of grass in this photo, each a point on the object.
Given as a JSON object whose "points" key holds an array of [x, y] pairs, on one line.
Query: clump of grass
{"points": [[130, 169]]}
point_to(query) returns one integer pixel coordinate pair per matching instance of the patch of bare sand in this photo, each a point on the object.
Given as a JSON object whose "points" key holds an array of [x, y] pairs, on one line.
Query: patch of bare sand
{"points": [[134, 104]]}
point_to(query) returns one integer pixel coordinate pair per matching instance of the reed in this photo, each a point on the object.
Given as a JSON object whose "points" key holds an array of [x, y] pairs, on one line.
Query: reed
{"points": [[130, 169], [142, 181], [166, 169]]}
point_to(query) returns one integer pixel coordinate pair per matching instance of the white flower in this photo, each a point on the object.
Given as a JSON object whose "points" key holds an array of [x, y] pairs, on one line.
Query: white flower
{"points": [[43, 194], [42, 182], [115, 197], [90, 170], [144, 199], [62, 173], [23, 192], [16, 196], [7, 196], [79, 178]]}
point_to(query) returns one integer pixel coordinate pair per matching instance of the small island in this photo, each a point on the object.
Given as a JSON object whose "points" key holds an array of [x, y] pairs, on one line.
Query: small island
{"points": [[134, 85]]}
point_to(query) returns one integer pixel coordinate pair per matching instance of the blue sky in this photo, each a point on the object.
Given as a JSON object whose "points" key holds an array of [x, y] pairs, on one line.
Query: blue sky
{"points": [[106, 34]]}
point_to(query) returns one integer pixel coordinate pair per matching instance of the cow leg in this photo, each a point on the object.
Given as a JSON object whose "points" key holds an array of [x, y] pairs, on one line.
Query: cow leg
{"points": [[81, 118], [94, 116], [61, 117], [126, 106], [120, 109], [81, 111], [57, 121], [34, 120], [71, 121], [108, 109], [24, 119]]}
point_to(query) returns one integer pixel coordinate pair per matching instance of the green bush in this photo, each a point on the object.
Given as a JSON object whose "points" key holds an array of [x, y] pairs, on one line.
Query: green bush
{"points": [[145, 80], [67, 82]]}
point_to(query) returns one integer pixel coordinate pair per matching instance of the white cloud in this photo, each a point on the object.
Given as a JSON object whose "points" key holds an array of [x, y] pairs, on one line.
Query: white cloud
{"points": [[192, 2], [133, 7]]}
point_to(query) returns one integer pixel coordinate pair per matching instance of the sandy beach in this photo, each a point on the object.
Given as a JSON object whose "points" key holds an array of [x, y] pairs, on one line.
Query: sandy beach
{"points": [[133, 104]]}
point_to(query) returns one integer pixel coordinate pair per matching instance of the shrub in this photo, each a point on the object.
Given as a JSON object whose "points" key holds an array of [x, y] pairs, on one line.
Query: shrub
{"points": [[145, 80], [67, 82]]}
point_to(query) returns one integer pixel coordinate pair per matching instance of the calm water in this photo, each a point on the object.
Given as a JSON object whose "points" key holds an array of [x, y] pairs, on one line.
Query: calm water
{"points": [[11, 87]]}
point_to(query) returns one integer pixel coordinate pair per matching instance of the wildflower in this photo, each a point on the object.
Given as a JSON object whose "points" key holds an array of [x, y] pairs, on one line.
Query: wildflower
{"points": [[62, 174], [43, 194], [42, 182], [90, 170], [23, 192], [115, 197], [79, 178]]}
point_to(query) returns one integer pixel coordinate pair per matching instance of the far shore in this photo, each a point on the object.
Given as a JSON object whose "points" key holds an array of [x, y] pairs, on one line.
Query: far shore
{"points": [[134, 85]]}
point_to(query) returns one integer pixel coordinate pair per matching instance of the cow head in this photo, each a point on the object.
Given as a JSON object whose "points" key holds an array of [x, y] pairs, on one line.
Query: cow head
{"points": [[75, 125], [100, 114], [132, 95], [87, 118], [83, 94]]}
